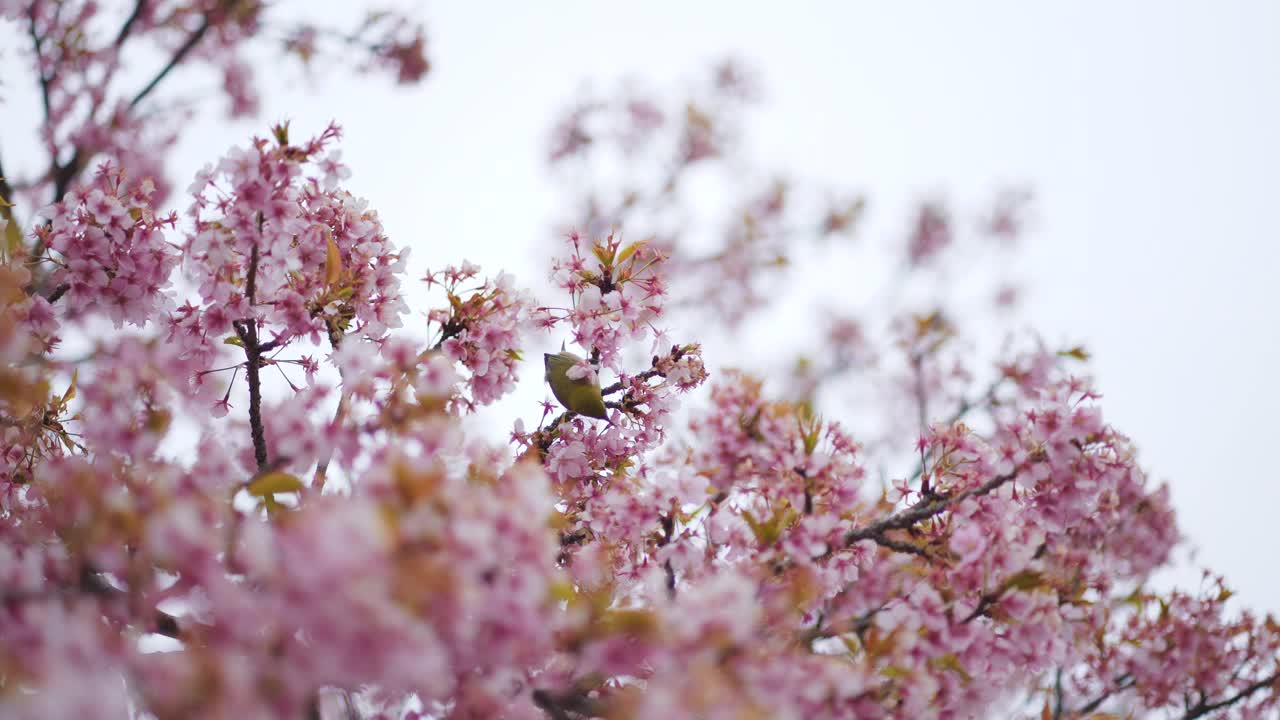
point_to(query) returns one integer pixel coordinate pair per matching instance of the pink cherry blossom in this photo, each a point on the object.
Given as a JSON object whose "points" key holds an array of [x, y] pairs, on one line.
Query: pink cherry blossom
{"points": [[269, 495]]}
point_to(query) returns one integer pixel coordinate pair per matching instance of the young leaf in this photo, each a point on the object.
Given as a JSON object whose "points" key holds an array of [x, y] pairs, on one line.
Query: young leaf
{"points": [[71, 389], [630, 250], [332, 260], [274, 482]]}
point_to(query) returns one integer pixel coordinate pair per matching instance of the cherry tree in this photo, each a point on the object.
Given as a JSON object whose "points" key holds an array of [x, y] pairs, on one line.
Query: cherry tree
{"points": [[240, 475]]}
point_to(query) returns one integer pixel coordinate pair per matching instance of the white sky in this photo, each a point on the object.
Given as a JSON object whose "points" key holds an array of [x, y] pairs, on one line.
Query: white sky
{"points": [[1149, 131]]}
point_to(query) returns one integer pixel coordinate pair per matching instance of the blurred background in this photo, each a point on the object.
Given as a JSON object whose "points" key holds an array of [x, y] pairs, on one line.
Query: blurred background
{"points": [[1148, 132]]}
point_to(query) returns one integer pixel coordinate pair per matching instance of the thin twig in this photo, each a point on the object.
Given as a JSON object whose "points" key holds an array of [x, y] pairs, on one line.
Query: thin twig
{"points": [[922, 417], [1057, 695], [37, 42], [322, 467], [965, 406], [1124, 682], [127, 28], [177, 58], [63, 175]]}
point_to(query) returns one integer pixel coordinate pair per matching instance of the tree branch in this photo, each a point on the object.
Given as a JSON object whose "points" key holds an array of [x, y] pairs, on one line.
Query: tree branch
{"points": [[127, 28], [922, 416], [1202, 708], [677, 352], [58, 292], [38, 43], [1123, 682], [559, 706], [90, 583], [927, 508], [543, 700], [63, 175], [965, 406], [247, 330], [178, 56], [6, 192], [900, 546]]}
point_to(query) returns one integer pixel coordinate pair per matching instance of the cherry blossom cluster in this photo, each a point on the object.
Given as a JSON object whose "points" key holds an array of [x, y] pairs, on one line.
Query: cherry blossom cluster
{"points": [[971, 539], [112, 256], [617, 294], [900, 602], [643, 154], [430, 555], [480, 328], [387, 40], [32, 409], [1186, 654], [275, 241], [431, 561], [99, 102]]}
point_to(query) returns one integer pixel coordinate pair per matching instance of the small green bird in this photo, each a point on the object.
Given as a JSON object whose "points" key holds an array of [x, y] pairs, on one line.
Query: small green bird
{"points": [[581, 396]]}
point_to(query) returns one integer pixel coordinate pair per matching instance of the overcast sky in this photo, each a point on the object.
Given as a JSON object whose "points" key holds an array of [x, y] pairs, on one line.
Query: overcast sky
{"points": [[1149, 131]]}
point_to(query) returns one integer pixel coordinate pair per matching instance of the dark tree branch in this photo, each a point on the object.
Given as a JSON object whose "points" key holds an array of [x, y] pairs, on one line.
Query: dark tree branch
{"points": [[1057, 695], [64, 175], [677, 352], [925, 509], [1203, 708], [985, 602], [1122, 683], [565, 706], [91, 583], [37, 41], [247, 330], [127, 28], [58, 292], [543, 700], [178, 56], [6, 192], [253, 362], [900, 546]]}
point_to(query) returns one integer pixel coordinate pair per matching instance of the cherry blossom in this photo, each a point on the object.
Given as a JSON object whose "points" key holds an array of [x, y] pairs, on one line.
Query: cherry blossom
{"points": [[266, 489]]}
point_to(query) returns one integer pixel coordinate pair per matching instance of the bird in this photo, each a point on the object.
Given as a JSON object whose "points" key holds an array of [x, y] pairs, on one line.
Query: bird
{"points": [[581, 396]]}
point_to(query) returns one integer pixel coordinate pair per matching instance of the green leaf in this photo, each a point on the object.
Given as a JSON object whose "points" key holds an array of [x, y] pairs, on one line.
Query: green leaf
{"points": [[630, 250], [71, 389], [603, 253], [281, 133], [1025, 580], [810, 426], [950, 662], [12, 229], [1078, 352], [332, 260], [274, 482]]}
